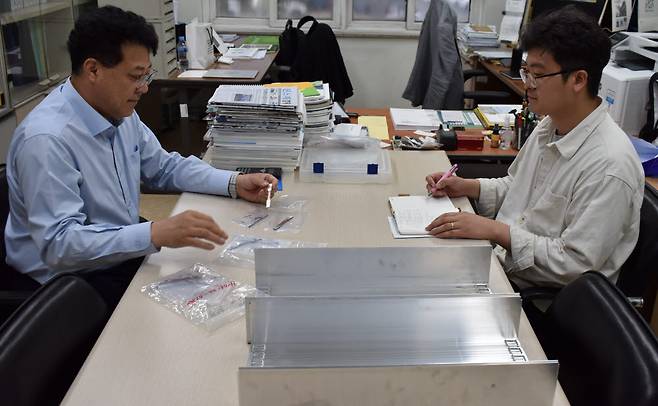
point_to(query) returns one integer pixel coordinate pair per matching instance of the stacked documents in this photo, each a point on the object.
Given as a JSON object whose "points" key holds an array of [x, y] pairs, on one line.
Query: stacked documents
{"points": [[318, 110], [415, 119], [318, 104], [254, 126], [477, 36]]}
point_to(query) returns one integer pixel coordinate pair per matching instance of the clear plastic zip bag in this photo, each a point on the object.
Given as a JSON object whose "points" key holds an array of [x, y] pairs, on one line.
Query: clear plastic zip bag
{"points": [[286, 214], [239, 250], [202, 296]]}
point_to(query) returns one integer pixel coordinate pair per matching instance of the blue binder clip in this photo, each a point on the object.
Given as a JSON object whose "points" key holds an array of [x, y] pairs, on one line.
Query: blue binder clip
{"points": [[373, 169], [318, 167]]}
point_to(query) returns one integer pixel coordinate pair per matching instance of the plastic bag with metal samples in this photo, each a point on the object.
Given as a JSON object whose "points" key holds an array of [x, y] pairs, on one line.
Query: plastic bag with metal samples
{"points": [[202, 296], [239, 250]]}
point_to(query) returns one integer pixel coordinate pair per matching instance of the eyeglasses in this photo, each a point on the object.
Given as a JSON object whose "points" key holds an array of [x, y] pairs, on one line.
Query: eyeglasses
{"points": [[530, 80], [146, 79]]}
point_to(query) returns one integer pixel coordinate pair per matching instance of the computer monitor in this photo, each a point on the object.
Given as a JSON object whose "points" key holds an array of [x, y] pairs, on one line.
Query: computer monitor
{"points": [[594, 9]]}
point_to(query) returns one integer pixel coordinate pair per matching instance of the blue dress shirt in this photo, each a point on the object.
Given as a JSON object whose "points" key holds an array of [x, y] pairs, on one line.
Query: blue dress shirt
{"points": [[74, 186]]}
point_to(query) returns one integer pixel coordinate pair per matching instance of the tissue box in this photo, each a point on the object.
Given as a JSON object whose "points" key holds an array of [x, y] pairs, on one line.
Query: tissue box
{"points": [[470, 141]]}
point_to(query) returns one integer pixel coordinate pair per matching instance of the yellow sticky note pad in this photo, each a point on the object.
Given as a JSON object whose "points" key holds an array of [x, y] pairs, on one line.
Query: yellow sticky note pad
{"points": [[377, 126]]}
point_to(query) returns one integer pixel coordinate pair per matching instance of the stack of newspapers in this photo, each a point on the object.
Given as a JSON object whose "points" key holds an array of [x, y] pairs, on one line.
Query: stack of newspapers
{"points": [[255, 126], [474, 36], [318, 110]]}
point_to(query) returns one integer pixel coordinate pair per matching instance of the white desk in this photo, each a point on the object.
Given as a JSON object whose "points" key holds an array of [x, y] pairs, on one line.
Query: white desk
{"points": [[148, 355]]}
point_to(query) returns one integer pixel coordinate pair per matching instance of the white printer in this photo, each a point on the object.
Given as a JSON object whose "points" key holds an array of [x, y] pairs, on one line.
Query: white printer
{"points": [[625, 80]]}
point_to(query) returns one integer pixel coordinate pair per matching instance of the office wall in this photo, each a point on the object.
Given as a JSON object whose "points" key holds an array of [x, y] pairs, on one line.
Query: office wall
{"points": [[378, 67]]}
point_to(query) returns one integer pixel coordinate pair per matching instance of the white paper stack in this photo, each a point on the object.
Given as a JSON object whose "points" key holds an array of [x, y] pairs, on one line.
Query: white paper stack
{"points": [[318, 112], [254, 126], [415, 119], [471, 36]]}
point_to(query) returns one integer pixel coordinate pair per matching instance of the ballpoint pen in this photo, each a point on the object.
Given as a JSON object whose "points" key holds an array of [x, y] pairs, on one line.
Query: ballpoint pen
{"points": [[445, 176]]}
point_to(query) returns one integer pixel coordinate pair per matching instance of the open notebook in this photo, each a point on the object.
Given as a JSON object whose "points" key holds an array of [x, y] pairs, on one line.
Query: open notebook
{"points": [[413, 213]]}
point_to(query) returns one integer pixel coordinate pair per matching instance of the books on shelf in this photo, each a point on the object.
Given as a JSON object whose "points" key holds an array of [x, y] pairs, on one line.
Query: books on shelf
{"points": [[460, 118], [413, 213], [428, 120], [492, 114]]}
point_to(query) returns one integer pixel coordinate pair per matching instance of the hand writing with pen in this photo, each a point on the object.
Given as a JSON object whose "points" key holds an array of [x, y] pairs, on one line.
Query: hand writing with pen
{"points": [[462, 224]]}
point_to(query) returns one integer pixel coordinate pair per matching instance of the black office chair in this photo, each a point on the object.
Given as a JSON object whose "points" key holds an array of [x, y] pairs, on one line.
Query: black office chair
{"points": [[46, 341], [483, 96], [638, 277], [15, 287], [608, 354]]}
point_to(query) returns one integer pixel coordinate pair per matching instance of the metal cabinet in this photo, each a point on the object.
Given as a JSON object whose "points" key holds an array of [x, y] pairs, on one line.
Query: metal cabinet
{"points": [[160, 13], [34, 34]]}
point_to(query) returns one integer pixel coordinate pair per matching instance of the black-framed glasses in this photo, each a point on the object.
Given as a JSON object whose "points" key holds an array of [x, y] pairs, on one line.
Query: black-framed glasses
{"points": [[530, 80]]}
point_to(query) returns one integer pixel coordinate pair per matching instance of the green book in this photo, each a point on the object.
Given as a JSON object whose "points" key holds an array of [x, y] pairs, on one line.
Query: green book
{"points": [[262, 39]]}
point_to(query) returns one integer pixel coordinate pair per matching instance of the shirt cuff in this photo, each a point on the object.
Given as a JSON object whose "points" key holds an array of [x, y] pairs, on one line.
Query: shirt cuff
{"points": [[487, 200], [523, 248], [233, 185], [141, 235]]}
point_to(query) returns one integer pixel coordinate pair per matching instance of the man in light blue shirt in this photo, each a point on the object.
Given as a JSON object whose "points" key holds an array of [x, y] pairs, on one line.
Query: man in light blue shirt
{"points": [[75, 164]]}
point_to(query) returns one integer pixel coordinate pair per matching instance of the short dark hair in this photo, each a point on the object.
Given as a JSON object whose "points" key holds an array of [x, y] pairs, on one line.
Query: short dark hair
{"points": [[102, 32], [574, 40]]}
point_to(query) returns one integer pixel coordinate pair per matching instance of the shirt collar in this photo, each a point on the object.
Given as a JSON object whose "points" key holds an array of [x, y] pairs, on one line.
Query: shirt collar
{"points": [[91, 118], [569, 144]]}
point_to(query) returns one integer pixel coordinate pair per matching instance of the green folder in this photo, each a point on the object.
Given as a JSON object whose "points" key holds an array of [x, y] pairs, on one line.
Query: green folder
{"points": [[262, 39]]}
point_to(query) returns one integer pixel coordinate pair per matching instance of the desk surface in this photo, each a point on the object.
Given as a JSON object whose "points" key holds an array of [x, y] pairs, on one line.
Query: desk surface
{"points": [[515, 84], [149, 355], [260, 65], [487, 151]]}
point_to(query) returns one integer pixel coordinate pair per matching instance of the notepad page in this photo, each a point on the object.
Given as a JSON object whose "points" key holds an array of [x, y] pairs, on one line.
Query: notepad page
{"points": [[413, 213]]}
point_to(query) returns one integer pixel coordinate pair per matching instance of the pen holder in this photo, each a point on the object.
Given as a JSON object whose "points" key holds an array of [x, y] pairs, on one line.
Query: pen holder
{"points": [[522, 133]]}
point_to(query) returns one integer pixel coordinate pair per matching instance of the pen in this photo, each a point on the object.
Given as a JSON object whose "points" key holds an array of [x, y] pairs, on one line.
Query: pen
{"points": [[445, 176], [268, 203]]}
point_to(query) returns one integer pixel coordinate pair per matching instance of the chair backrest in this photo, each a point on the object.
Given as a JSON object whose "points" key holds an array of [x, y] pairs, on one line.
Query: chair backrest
{"points": [[638, 276], [15, 287], [4, 208], [608, 354], [45, 342]]}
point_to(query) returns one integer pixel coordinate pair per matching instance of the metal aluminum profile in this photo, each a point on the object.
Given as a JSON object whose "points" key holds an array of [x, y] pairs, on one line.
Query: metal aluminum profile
{"points": [[528, 383], [374, 331], [373, 271]]}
